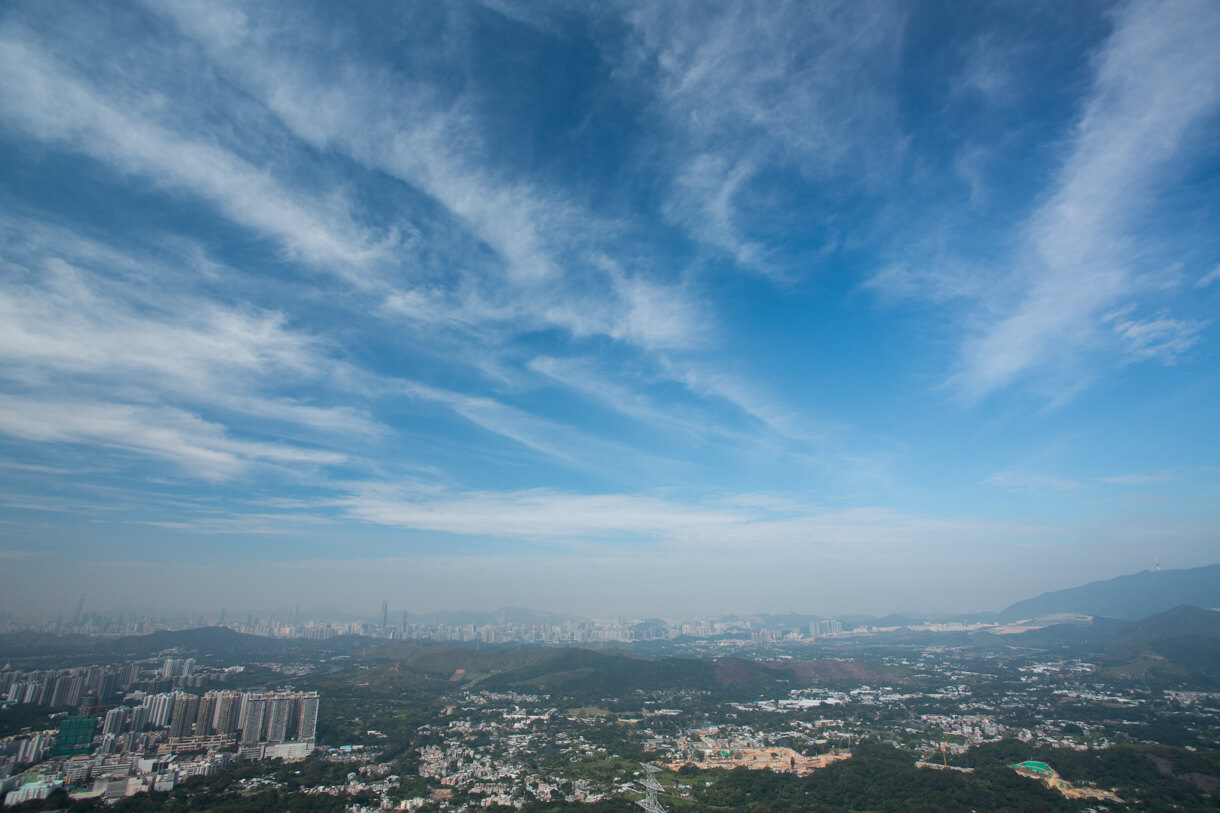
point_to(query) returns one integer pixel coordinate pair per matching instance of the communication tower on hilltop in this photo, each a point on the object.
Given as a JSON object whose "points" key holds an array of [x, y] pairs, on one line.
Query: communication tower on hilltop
{"points": [[651, 788]]}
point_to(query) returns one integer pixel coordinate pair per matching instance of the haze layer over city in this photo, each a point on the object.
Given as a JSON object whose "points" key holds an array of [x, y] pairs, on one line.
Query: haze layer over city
{"points": [[615, 309]]}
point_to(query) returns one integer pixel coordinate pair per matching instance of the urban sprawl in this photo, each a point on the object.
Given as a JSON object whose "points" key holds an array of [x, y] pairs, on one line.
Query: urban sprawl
{"points": [[150, 725]]}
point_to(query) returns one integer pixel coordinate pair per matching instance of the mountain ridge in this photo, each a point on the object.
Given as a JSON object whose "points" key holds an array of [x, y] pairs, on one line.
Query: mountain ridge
{"points": [[1130, 598]]}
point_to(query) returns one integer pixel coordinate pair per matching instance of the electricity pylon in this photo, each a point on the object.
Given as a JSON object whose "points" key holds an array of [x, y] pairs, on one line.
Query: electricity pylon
{"points": [[651, 788]]}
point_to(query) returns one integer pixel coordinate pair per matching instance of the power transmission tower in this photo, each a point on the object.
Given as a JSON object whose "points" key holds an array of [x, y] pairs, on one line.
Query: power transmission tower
{"points": [[651, 788]]}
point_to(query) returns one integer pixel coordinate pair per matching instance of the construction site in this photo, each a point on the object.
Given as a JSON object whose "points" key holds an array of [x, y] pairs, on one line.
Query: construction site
{"points": [[710, 751]]}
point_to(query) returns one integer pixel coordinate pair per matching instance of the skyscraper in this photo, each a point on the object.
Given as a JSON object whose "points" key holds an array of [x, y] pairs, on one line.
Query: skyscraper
{"points": [[203, 717], [115, 718], [139, 718], [67, 691], [183, 720], [307, 719], [252, 725], [227, 708], [280, 715], [160, 707]]}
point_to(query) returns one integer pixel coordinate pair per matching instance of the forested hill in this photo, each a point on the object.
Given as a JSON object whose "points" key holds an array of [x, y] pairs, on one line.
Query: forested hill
{"points": [[203, 640]]}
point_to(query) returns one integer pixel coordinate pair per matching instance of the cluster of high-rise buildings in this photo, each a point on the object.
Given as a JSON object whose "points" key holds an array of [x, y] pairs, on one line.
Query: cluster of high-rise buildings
{"points": [[140, 710], [177, 667], [215, 726], [827, 628], [214, 719], [89, 688], [443, 627], [65, 687], [95, 623]]}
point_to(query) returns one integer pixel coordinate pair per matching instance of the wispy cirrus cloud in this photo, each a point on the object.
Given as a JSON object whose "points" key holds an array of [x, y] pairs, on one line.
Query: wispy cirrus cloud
{"points": [[1162, 338], [78, 326], [742, 90], [201, 447], [536, 514], [1209, 278], [261, 524], [48, 100], [304, 254], [772, 412], [91, 354], [558, 265], [555, 440], [1142, 479], [585, 377], [764, 526], [1156, 81], [552, 268], [1017, 480], [1034, 483], [76, 316]]}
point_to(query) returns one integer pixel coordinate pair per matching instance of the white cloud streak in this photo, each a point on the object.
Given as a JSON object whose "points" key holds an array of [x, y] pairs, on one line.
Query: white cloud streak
{"points": [[90, 356], [43, 97], [1023, 481], [1157, 78], [740, 526], [1015, 480], [552, 439], [554, 273], [1162, 339], [1209, 278], [1141, 479], [201, 447], [75, 311], [538, 514]]}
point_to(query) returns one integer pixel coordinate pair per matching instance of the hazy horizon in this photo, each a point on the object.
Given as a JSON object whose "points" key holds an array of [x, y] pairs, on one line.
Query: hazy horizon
{"points": [[368, 606], [616, 309]]}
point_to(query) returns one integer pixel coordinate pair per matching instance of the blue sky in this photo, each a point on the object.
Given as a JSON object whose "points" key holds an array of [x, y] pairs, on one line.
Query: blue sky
{"points": [[605, 308]]}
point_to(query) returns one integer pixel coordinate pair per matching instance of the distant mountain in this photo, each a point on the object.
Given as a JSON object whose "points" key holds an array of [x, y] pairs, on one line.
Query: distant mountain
{"points": [[895, 620], [213, 640], [892, 620], [202, 640], [1127, 597], [36, 644], [1181, 646], [1180, 622], [583, 673]]}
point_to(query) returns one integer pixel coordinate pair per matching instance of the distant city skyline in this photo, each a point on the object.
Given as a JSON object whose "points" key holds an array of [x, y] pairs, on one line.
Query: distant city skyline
{"points": [[605, 309], [1131, 596]]}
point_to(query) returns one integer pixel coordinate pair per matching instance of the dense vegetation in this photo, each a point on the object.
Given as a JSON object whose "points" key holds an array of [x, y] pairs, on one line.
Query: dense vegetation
{"points": [[878, 779], [25, 717], [1154, 777]]}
